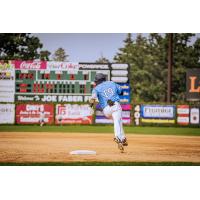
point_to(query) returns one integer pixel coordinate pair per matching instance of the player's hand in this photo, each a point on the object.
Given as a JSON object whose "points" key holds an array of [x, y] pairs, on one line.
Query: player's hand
{"points": [[91, 105], [110, 102]]}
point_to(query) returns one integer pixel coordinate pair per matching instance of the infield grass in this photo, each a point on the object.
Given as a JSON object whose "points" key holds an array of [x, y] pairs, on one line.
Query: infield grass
{"points": [[102, 129]]}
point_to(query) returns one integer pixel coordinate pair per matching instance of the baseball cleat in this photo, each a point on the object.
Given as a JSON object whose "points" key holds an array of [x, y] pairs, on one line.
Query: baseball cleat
{"points": [[124, 142], [120, 145]]}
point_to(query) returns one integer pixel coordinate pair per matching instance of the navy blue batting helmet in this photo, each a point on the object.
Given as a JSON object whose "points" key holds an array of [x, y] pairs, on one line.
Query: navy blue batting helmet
{"points": [[99, 78]]}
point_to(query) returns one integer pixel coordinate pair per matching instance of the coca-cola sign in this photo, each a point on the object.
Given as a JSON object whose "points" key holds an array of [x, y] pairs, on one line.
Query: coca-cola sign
{"points": [[30, 64]]}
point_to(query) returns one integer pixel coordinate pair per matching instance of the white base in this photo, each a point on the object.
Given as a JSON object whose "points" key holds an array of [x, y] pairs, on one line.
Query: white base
{"points": [[83, 152]]}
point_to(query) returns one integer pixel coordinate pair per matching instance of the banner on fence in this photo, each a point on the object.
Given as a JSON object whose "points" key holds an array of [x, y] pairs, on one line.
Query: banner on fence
{"points": [[183, 114], [34, 113], [7, 81], [158, 121], [194, 116], [158, 111], [193, 85], [7, 113], [136, 115], [73, 114], [104, 120]]}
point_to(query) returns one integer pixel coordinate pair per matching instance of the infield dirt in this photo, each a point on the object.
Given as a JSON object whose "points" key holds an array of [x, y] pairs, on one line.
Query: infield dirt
{"points": [[22, 147]]}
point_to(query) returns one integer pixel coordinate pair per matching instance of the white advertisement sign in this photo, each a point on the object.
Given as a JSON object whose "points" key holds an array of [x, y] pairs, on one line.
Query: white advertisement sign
{"points": [[73, 114], [194, 116], [183, 120], [72, 68], [7, 113], [94, 66], [119, 79], [119, 66], [7, 90], [157, 111], [183, 110], [119, 73]]}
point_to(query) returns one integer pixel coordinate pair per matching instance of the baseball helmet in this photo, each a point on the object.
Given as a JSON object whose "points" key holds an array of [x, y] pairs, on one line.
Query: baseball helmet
{"points": [[99, 78]]}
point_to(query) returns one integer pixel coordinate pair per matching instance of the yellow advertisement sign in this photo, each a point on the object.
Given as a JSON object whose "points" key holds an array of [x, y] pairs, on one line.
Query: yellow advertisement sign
{"points": [[167, 121]]}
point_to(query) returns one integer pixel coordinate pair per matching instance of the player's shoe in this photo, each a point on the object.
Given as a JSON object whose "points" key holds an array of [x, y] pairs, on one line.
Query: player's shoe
{"points": [[120, 145], [124, 142]]}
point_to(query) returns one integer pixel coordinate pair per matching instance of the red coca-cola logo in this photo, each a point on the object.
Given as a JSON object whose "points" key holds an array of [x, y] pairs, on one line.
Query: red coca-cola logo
{"points": [[30, 65]]}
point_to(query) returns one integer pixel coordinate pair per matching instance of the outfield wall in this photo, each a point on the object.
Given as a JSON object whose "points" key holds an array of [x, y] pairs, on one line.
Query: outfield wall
{"points": [[68, 113]]}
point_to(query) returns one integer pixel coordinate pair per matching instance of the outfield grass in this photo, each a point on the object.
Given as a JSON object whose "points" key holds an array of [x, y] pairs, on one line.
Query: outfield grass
{"points": [[102, 129], [102, 164]]}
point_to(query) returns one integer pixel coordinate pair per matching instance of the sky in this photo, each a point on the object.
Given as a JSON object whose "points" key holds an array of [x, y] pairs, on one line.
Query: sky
{"points": [[84, 47]]}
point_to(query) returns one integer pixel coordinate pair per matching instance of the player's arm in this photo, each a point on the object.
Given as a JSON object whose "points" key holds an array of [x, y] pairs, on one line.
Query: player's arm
{"points": [[94, 98]]}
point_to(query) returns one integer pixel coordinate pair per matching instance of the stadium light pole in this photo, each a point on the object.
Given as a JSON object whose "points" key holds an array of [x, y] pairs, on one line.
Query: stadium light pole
{"points": [[170, 63]]}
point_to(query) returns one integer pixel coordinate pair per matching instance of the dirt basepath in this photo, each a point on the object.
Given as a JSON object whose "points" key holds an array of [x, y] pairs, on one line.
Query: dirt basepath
{"points": [[55, 147]]}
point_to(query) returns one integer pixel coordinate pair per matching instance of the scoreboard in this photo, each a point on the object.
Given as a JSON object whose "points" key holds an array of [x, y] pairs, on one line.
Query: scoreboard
{"points": [[42, 81]]}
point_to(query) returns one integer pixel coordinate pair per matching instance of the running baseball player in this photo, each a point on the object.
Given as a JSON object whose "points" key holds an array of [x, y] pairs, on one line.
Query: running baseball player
{"points": [[107, 93], [42, 118]]}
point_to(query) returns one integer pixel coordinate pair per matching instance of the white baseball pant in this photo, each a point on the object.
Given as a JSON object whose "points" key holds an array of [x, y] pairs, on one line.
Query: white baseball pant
{"points": [[115, 112]]}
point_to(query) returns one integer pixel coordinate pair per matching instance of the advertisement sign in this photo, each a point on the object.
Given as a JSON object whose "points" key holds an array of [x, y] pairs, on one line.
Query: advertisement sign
{"points": [[119, 79], [124, 107], [125, 98], [158, 111], [7, 70], [71, 68], [137, 115], [73, 114], [125, 114], [52, 98], [30, 65], [119, 66], [7, 90], [93, 66], [194, 116], [7, 81], [119, 73], [104, 120], [183, 114], [193, 84], [34, 113], [158, 121], [7, 113]]}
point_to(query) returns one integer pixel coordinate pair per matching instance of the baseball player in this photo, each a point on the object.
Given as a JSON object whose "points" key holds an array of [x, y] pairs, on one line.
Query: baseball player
{"points": [[107, 93], [42, 117]]}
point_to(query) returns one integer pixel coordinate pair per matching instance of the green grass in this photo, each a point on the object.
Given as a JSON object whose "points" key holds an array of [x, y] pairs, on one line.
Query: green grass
{"points": [[103, 164], [102, 129]]}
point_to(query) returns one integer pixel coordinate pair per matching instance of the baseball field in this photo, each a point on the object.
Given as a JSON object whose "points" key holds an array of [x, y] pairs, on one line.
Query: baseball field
{"points": [[51, 145]]}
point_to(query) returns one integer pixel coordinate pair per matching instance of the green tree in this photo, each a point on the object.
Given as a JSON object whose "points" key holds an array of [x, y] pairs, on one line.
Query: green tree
{"points": [[102, 59], [44, 55], [60, 55], [147, 57], [22, 46]]}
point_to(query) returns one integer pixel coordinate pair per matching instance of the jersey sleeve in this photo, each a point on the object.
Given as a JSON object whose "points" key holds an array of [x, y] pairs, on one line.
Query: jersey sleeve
{"points": [[94, 94], [119, 89]]}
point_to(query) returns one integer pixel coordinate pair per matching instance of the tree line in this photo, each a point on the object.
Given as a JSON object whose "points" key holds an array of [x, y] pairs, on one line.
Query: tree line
{"points": [[147, 57], [25, 46]]}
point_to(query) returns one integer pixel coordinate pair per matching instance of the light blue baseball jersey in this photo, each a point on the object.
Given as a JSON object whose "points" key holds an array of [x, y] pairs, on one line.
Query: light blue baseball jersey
{"points": [[105, 91]]}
